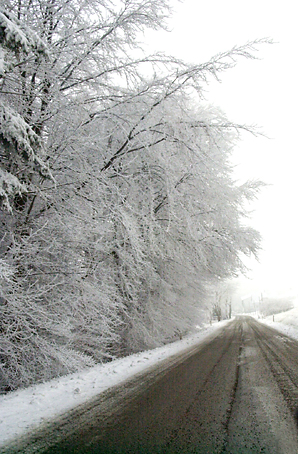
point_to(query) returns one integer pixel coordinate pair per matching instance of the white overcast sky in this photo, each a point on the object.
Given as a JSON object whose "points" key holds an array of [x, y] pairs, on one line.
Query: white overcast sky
{"points": [[262, 92]]}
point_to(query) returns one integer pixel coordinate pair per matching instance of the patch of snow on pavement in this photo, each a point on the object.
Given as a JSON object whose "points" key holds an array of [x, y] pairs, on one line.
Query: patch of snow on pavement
{"points": [[23, 410]]}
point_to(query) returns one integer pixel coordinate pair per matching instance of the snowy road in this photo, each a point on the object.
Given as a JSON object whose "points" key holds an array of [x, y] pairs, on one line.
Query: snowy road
{"points": [[236, 393]]}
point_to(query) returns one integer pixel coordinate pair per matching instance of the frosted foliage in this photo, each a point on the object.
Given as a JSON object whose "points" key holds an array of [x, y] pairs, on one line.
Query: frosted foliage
{"points": [[65, 312], [17, 368], [133, 232], [18, 35], [27, 148], [2, 62], [15, 129], [9, 186], [6, 271], [124, 214]]}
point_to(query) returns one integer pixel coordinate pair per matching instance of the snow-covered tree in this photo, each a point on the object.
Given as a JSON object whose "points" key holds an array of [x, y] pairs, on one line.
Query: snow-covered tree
{"points": [[21, 148], [221, 296], [178, 189], [123, 208]]}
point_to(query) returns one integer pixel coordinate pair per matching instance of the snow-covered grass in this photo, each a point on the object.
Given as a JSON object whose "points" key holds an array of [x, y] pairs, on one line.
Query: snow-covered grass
{"points": [[24, 410], [285, 322]]}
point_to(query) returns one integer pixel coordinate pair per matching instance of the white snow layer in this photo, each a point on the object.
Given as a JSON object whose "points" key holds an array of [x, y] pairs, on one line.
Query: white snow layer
{"points": [[24, 410], [285, 322]]}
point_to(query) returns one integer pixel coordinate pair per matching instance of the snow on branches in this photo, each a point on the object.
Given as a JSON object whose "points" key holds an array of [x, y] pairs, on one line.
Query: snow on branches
{"points": [[9, 186], [14, 35], [19, 143], [119, 252]]}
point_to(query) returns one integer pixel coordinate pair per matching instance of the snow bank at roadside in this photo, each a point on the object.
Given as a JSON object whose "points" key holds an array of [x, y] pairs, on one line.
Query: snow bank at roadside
{"points": [[285, 322], [23, 410]]}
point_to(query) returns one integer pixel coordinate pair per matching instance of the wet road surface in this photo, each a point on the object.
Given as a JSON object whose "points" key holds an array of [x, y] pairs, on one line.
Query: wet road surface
{"points": [[235, 393]]}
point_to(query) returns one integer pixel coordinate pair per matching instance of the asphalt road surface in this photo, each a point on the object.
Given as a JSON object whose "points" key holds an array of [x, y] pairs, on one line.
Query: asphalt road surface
{"points": [[236, 393]]}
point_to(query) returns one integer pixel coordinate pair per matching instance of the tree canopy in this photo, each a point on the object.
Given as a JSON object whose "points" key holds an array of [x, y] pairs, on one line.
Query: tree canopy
{"points": [[119, 205]]}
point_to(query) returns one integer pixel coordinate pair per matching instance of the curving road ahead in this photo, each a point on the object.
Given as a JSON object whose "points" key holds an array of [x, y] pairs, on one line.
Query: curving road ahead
{"points": [[236, 393]]}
